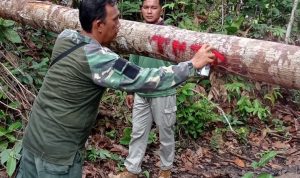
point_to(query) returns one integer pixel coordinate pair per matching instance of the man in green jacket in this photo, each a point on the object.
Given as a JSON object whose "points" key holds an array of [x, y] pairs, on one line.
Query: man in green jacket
{"points": [[66, 107], [158, 106]]}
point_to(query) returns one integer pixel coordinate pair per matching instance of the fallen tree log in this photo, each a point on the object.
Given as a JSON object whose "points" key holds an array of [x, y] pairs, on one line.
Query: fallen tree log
{"points": [[256, 59]]}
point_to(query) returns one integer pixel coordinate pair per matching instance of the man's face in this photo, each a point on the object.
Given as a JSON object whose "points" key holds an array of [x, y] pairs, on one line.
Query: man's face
{"points": [[111, 24], [151, 11]]}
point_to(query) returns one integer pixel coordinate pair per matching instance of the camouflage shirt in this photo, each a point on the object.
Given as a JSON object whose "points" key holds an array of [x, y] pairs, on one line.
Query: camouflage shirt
{"points": [[67, 104]]}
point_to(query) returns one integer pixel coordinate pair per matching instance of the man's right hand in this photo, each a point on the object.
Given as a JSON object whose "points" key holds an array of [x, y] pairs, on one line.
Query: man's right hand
{"points": [[129, 101], [203, 57]]}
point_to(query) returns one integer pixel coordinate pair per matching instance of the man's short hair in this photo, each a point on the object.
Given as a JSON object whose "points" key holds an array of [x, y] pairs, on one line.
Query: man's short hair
{"points": [[161, 2], [90, 10]]}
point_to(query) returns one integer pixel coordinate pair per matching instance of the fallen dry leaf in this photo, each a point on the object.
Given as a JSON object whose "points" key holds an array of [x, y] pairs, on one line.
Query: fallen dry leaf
{"points": [[265, 144], [239, 162], [288, 118], [280, 145], [199, 152], [120, 149], [190, 158], [275, 166]]}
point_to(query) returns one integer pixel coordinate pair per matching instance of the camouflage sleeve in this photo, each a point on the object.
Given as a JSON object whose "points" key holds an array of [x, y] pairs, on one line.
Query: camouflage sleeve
{"points": [[134, 59], [108, 70]]}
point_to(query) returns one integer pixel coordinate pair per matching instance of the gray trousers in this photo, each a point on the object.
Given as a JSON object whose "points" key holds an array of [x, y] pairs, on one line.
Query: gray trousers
{"points": [[32, 166], [161, 110]]}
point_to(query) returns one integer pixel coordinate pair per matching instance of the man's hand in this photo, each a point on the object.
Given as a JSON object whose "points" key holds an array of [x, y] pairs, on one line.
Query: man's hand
{"points": [[203, 57], [129, 101]]}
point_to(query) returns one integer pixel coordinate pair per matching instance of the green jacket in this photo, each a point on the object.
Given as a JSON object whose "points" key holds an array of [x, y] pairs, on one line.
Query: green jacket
{"points": [[147, 62], [66, 107]]}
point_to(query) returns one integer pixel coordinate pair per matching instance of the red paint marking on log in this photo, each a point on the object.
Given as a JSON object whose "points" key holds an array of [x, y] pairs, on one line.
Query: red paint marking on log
{"points": [[196, 47], [160, 41], [178, 47], [218, 55]]}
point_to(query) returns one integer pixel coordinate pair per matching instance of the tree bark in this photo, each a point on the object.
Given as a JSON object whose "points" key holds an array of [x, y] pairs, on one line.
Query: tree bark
{"points": [[256, 59], [290, 24]]}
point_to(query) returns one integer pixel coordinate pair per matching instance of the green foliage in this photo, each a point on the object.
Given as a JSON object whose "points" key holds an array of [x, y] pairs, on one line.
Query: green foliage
{"points": [[152, 137], [259, 110], [266, 157], [3, 145], [111, 134], [236, 88], [31, 72], [243, 106], [279, 126], [28, 64], [8, 32], [234, 121], [248, 175], [262, 175], [193, 113], [93, 154], [130, 9], [273, 95], [233, 25], [40, 39], [146, 174], [31, 62], [247, 108], [115, 99], [7, 133], [296, 96], [269, 16], [255, 19], [180, 14], [9, 157], [242, 133], [278, 32], [3, 115], [125, 139], [216, 140]]}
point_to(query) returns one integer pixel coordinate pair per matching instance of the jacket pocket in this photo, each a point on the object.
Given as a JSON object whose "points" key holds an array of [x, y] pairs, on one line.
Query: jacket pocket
{"points": [[170, 116]]}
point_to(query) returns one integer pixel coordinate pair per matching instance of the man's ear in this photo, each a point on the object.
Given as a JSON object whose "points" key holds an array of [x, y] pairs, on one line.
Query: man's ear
{"points": [[162, 13], [99, 25], [141, 14]]}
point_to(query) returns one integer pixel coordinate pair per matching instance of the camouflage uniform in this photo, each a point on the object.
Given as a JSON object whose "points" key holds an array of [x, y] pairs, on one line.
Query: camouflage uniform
{"points": [[66, 107]]}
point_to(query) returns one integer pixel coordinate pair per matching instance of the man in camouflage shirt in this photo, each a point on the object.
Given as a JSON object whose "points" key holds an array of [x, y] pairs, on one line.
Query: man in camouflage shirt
{"points": [[66, 107]]}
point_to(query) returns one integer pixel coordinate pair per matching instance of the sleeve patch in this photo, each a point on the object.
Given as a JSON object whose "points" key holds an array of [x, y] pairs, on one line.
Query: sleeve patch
{"points": [[120, 65], [131, 71]]}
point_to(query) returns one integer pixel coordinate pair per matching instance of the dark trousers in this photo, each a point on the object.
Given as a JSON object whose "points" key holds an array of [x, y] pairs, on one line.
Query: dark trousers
{"points": [[32, 166]]}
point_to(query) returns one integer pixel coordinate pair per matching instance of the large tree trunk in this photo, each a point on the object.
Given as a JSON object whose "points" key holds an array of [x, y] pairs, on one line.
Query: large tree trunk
{"points": [[256, 59]]}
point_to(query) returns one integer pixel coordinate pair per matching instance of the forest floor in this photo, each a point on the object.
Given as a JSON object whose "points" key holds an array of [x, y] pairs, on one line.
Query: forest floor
{"points": [[223, 155], [218, 153]]}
